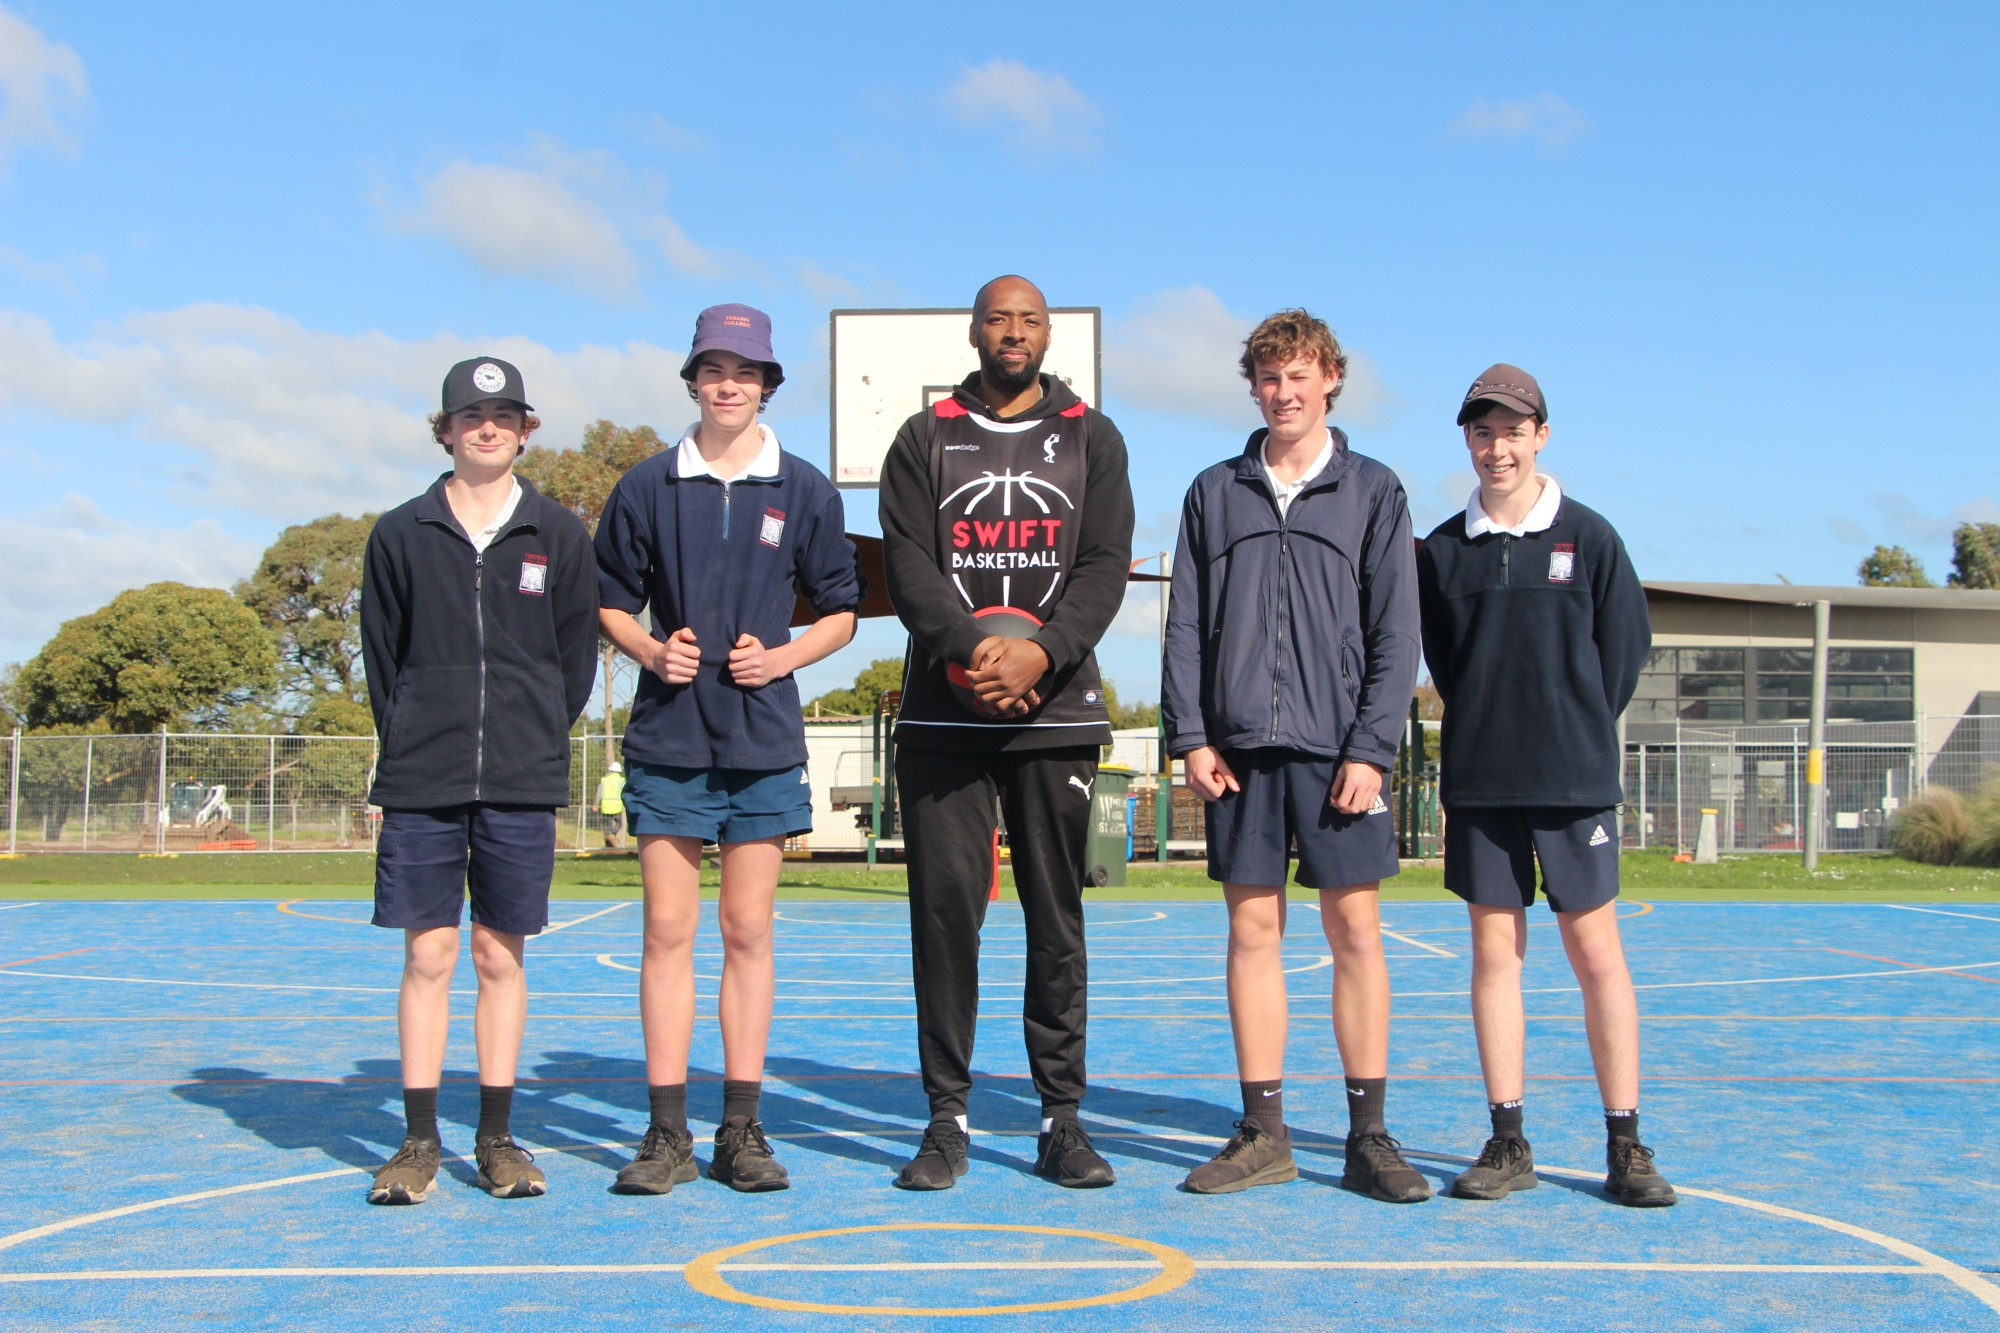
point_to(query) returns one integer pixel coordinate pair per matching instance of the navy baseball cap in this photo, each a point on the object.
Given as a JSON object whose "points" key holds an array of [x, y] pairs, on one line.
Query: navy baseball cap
{"points": [[741, 329], [481, 378], [1509, 386]]}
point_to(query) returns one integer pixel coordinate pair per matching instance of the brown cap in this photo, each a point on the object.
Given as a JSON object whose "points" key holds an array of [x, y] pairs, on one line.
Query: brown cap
{"points": [[1509, 386]]}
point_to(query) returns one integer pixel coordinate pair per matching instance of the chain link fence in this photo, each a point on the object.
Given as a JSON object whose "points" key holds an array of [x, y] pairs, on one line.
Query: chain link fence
{"points": [[1754, 778]]}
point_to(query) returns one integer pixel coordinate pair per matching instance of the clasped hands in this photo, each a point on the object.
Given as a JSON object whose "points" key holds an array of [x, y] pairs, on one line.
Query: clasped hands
{"points": [[1003, 673]]}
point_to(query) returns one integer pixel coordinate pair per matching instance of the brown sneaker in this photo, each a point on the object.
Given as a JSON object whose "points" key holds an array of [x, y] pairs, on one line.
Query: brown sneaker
{"points": [[408, 1177], [1375, 1167], [1631, 1178], [665, 1159], [1251, 1158], [743, 1159], [507, 1170]]}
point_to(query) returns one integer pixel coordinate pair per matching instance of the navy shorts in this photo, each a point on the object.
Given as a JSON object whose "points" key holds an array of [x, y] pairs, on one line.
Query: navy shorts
{"points": [[1285, 806], [718, 804], [1490, 855], [426, 861]]}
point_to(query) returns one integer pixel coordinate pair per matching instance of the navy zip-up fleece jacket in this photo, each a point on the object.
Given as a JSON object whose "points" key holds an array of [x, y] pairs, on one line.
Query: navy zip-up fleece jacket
{"points": [[1535, 644], [477, 662], [1297, 631], [723, 560]]}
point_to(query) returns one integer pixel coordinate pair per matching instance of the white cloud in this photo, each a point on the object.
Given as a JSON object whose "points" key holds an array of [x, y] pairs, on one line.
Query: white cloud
{"points": [[659, 132], [1907, 521], [1037, 112], [1547, 118], [43, 85], [58, 273], [556, 214], [1177, 352], [248, 409], [70, 559]]}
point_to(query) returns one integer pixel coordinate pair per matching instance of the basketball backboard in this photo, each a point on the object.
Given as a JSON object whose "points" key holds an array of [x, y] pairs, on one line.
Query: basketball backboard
{"points": [[889, 364]]}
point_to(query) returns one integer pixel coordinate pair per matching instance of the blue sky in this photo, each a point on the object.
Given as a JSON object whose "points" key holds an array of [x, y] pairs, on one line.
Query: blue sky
{"points": [[1748, 250]]}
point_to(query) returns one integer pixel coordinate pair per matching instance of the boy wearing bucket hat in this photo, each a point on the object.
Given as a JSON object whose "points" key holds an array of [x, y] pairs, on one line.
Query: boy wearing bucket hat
{"points": [[1535, 630], [479, 633], [719, 537]]}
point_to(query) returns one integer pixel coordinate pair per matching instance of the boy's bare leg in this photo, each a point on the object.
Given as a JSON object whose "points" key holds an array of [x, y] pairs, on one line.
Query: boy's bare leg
{"points": [[423, 1003], [1258, 1014], [1499, 942], [500, 1015], [670, 868], [749, 886], [1610, 1009], [1352, 920]]}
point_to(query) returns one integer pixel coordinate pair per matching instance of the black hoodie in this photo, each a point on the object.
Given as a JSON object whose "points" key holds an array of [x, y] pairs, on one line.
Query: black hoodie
{"points": [[1032, 512], [478, 662]]}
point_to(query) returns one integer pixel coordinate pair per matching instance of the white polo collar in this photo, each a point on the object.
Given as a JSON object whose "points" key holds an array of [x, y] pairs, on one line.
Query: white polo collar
{"points": [[1286, 491], [1477, 524], [764, 465]]}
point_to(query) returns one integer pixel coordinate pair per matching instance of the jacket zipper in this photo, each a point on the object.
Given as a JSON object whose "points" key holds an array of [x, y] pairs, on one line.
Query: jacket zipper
{"points": [[479, 621], [1506, 549], [1284, 610]]}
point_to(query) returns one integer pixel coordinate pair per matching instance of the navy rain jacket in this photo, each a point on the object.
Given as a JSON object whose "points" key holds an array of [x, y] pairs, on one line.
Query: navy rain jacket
{"points": [[1297, 632]]}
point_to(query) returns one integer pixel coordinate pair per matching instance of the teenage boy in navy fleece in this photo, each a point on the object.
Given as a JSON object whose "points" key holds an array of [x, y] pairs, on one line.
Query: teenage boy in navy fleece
{"points": [[479, 633], [1291, 653], [719, 535], [1535, 630]]}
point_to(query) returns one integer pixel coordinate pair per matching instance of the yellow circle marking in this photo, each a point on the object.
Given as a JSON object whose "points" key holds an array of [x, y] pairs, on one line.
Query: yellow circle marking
{"points": [[705, 1276], [289, 909]]}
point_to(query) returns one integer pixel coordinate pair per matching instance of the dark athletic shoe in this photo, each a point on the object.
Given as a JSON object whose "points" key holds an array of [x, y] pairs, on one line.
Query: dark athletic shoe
{"points": [[408, 1177], [1251, 1158], [1505, 1164], [743, 1158], [665, 1159], [1375, 1167], [507, 1170], [940, 1159], [1631, 1179], [1065, 1155]]}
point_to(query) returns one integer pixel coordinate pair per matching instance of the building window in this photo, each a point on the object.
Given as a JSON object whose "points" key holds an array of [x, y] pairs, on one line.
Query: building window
{"points": [[1730, 685], [1693, 684]]}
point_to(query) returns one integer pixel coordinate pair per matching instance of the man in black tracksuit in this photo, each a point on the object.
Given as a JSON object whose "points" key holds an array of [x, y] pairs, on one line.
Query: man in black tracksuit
{"points": [[1535, 630], [479, 633], [1008, 501]]}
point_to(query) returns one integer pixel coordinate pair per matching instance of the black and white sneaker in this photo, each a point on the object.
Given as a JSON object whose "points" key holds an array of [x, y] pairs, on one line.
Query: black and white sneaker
{"points": [[1505, 1164], [1375, 1167], [666, 1159], [1064, 1154], [1631, 1179], [1252, 1157], [743, 1158], [941, 1158]]}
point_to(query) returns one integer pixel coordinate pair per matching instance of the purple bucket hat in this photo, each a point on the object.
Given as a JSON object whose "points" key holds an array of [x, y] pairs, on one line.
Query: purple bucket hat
{"points": [[741, 329]]}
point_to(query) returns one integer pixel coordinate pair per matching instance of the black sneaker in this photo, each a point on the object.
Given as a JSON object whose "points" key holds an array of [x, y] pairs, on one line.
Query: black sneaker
{"points": [[1505, 1164], [665, 1159], [1375, 1167], [1631, 1179], [1065, 1156], [507, 1170], [743, 1158], [940, 1159], [1251, 1158], [408, 1177]]}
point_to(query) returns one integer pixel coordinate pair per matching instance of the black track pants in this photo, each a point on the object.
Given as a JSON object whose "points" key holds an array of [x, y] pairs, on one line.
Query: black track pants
{"points": [[948, 799]]}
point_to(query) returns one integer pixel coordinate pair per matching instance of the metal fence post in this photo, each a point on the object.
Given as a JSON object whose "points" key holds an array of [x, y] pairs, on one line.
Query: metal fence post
{"points": [[13, 788], [1816, 755], [89, 758]]}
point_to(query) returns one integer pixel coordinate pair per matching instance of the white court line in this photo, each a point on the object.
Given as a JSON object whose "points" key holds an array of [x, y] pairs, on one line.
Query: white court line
{"points": [[11, 906], [820, 921], [1324, 960], [1684, 985], [36, 1233], [1934, 911], [1418, 944], [565, 925]]}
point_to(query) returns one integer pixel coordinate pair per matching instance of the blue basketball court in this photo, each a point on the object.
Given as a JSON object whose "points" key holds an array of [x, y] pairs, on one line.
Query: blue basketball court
{"points": [[195, 1095]]}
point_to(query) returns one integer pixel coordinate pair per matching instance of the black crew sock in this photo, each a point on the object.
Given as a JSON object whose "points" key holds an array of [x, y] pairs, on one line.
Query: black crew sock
{"points": [[1506, 1118], [1621, 1124], [1264, 1105], [740, 1097], [1364, 1105], [669, 1104], [420, 1112], [496, 1105]]}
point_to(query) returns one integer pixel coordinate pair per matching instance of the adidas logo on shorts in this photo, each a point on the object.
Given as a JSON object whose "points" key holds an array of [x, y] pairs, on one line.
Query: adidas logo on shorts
{"points": [[1600, 837]]}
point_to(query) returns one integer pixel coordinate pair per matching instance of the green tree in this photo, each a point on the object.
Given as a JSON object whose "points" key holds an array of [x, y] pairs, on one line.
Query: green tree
{"points": [[165, 653], [307, 591], [859, 700], [1127, 716], [1893, 567], [1975, 556]]}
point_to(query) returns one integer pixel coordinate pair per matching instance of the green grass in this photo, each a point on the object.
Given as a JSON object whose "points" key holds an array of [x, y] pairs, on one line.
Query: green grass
{"points": [[1647, 875]]}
